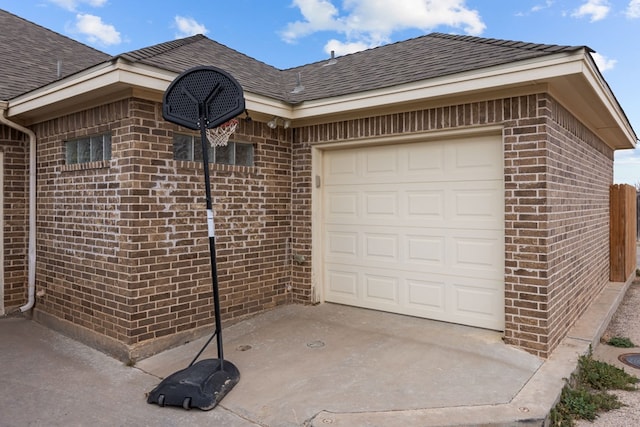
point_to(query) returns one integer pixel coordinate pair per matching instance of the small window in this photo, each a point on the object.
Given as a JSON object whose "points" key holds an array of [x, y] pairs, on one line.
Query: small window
{"points": [[89, 149], [188, 147]]}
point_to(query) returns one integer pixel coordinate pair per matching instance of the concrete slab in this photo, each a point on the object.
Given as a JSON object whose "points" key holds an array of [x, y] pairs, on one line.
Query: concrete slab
{"points": [[303, 360], [47, 379], [302, 365]]}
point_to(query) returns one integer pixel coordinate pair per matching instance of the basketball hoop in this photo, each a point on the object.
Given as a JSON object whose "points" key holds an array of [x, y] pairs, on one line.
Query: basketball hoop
{"points": [[219, 136]]}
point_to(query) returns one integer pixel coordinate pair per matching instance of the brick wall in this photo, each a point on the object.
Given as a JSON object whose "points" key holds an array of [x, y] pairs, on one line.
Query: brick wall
{"points": [[122, 245], [15, 146], [580, 172], [557, 176], [123, 248]]}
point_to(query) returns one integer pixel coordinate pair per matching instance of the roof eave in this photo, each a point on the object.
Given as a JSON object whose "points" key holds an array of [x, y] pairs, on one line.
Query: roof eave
{"points": [[112, 80], [570, 77]]}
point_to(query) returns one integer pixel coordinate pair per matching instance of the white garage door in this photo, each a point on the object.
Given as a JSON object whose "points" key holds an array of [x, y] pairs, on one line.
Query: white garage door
{"points": [[417, 229]]}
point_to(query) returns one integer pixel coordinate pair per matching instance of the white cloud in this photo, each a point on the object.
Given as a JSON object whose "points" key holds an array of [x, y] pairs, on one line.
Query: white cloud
{"points": [[367, 23], [547, 4], [633, 10], [95, 30], [319, 15], [72, 5], [345, 48], [603, 63], [627, 167], [188, 27], [595, 9]]}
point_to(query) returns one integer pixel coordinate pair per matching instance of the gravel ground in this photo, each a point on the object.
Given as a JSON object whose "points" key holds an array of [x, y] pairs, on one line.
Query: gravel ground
{"points": [[625, 323]]}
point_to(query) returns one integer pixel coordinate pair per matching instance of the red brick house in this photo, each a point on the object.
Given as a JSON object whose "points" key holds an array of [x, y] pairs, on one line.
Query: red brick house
{"points": [[454, 178]]}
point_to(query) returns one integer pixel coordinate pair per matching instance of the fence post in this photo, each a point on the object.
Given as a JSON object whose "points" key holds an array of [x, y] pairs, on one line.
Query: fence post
{"points": [[623, 231]]}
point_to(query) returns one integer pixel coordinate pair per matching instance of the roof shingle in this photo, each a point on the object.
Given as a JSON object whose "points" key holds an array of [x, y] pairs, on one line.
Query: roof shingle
{"points": [[31, 53], [32, 56], [430, 56]]}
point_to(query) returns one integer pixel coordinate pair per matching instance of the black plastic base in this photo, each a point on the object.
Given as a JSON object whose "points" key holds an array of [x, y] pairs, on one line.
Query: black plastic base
{"points": [[202, 385]]}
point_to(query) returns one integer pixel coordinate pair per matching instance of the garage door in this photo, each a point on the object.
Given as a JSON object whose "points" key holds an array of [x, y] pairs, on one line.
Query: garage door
{"points": [[417, 229]]}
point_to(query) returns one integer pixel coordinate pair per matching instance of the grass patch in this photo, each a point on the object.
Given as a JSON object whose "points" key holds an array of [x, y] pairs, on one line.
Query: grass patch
{"points": [[581, 403], [602, 376], [585, 394], [622, 342]]}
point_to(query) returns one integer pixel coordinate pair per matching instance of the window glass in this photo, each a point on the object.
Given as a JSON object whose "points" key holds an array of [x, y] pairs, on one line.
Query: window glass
{"points": [[88, 149], [182, 147], [72, 152], [224, 154], [244, 154], [84, 150], [187, 147], [107, 147], [96, 148]]}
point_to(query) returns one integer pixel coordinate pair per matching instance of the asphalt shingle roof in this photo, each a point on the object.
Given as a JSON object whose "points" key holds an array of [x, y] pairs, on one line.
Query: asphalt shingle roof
{"points": [[29, 56], [180, 55], [421, 58], [430, 56]]}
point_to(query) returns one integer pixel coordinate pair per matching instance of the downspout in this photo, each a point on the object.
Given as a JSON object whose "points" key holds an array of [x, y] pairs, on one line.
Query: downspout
{"points": [[31, 279]]}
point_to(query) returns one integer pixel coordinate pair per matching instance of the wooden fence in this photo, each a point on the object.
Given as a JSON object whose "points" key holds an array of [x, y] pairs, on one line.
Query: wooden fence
{"points": [[623, 231]]}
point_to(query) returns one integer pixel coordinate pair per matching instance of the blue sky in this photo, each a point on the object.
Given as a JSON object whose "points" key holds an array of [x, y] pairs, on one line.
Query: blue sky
{"points": [[287, 33]]}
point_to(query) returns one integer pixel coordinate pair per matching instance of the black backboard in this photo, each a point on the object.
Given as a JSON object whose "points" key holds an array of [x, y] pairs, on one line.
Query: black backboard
{"points": [[203, 92]]}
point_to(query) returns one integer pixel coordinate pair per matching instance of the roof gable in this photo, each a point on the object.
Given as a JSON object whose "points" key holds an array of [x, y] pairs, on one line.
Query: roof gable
{"points": [[180, 55], [33, 56]]}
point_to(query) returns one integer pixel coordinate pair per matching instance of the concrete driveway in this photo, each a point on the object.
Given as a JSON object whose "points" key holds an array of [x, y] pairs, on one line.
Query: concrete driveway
{"points": [[301, 365]]}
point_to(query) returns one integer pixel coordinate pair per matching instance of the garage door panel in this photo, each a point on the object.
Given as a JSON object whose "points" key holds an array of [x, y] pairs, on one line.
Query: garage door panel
{"points": [[477, 253], [478, 300], [426, 250], [426, 295], [479, 202], [447, 298], [342, 243], [343, 205], [380, 164], [424, 205], [475, 159], [380, 204], [417, 229], [381, 247], [425, 161], [341, 167], [478, 205], [343, 285], [381, 290]]}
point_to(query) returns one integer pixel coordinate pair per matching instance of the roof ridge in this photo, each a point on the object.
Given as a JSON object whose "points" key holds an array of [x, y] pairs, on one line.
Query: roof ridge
{"points": [[540, 47], [159, 49]]}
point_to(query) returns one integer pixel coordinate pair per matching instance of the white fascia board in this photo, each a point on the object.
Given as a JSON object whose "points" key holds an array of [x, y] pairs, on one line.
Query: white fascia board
{"points": [[527, 73], [99, 77], [268, 106], [121, 73]]}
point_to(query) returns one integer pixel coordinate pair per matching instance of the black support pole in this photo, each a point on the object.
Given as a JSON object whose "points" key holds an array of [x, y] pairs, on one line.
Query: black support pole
{"points": [[212, 237]]}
